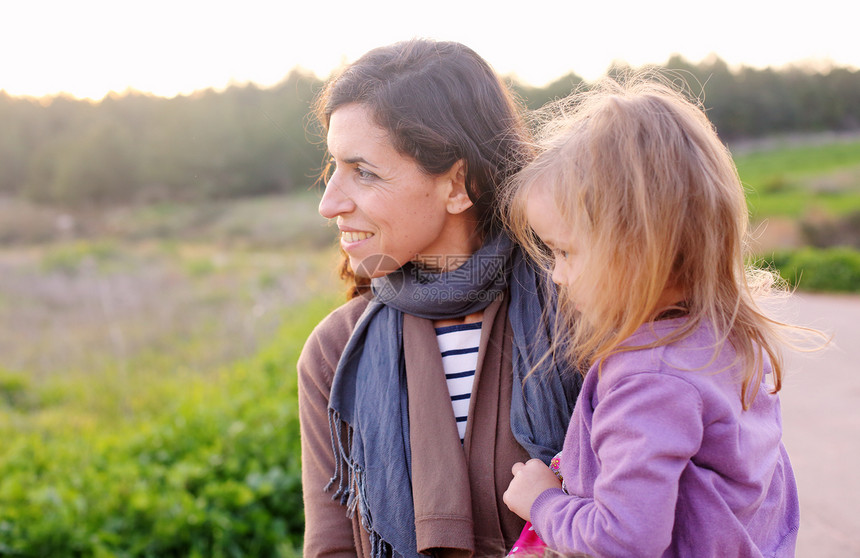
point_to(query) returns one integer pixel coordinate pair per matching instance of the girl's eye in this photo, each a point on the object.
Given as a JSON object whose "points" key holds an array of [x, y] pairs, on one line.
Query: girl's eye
{"points": [[561, 254]]}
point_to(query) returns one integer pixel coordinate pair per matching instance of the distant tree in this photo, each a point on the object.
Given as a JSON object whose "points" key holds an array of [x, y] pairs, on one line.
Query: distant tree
{"points": [[94, 167], [247, 140], [536, 97], [14, 145]]}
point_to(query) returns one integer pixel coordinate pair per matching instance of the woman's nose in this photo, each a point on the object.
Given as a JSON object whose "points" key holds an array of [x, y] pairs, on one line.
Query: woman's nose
{"points": [[334, 202]]}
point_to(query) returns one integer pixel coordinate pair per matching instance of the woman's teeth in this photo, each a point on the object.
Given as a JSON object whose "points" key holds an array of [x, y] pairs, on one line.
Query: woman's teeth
{"points": [[349, 236]]}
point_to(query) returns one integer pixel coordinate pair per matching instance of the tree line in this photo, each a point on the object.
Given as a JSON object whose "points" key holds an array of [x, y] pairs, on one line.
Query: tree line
{"points": [[248, 140]]}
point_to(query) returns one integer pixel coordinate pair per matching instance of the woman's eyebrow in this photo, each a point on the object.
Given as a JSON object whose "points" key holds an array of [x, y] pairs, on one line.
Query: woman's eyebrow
{"points": [[359, 159]]}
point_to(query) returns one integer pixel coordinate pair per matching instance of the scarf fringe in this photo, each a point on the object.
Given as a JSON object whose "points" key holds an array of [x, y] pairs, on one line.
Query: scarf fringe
{"points": [[378, 547], [336, 434], [352, 487]]}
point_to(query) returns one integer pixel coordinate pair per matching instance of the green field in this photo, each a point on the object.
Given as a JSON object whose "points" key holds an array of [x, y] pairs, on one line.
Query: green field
{"points": [[157, 463], [147, 380], [793, 181], [804, 200]]}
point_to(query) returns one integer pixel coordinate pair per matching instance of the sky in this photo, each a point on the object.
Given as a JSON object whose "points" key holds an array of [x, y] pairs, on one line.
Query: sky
{"points": [[88, 48]]}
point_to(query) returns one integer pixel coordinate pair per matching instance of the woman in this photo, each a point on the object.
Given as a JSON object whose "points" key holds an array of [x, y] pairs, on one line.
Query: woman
{"points": [[414, 401]]}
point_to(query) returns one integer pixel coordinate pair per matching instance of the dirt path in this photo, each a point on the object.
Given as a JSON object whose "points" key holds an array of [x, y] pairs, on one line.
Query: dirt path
{"points": [[821, 414]]}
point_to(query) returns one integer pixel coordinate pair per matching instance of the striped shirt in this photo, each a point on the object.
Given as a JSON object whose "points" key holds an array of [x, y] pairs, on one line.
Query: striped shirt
{"points": [[459, 347]]}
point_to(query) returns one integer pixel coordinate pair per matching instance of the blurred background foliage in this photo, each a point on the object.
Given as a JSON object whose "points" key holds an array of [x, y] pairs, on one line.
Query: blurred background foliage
{"points": [[244, 141], [162, 262], [247, 141]]}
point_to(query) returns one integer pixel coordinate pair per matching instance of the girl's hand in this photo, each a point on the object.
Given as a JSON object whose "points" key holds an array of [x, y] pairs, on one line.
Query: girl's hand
{"points": [[530, 480]]}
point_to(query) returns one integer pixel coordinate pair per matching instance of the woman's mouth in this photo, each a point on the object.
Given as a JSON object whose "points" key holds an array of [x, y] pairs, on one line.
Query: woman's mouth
{"points": [[350, 237]]}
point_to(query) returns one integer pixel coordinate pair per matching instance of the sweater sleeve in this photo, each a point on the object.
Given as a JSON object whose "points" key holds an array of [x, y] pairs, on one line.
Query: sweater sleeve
{"points": [[645, 429], [328, 531]]}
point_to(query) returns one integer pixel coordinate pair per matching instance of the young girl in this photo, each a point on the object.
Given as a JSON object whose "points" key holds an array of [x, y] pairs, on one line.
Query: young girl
{"points": [[674, 447]]}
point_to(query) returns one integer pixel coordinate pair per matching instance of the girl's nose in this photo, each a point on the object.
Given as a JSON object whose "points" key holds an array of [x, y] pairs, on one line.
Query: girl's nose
{"points": [[557, 276], [334, 202]]}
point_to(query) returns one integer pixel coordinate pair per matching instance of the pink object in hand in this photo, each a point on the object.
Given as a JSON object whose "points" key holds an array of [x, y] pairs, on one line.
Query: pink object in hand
{"points": [[529, 543]]}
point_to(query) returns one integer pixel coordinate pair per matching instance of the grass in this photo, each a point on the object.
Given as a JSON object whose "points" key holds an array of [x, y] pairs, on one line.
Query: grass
{"points": [[135, 319], [830, 270], [762, 169], [93, 305], [799, 203], [271, 222], [148, 393], [792, 181], [211, 470]]}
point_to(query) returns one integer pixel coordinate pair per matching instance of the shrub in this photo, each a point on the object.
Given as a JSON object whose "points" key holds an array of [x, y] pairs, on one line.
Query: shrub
{"points": [[826, 231], [217, 473], [833, 269], [13, 388]]}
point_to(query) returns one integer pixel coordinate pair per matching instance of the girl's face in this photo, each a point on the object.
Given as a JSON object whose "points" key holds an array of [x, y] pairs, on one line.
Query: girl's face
{"points": [[388, 210], [558, 234]]}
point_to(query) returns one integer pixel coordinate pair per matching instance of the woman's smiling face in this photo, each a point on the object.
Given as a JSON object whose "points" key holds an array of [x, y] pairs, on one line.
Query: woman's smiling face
{"points": [[388, 210]]}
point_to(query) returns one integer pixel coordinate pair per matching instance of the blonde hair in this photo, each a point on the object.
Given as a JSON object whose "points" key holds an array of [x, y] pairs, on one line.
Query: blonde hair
{"points": [[638, 171]]}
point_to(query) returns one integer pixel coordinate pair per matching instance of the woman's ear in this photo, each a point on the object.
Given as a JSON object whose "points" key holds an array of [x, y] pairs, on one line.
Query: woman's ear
{"points": [[458, 196]]}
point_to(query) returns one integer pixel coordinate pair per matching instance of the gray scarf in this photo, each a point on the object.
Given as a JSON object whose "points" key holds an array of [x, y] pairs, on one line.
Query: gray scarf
{"points": [[368, 396]]}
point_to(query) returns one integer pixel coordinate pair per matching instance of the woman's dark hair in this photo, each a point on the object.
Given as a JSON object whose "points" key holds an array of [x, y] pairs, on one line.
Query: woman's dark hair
{"points": [[440, 102]]}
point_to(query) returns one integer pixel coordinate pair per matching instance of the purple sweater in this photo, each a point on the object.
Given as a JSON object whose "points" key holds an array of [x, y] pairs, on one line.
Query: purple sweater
{"points": [[661, 460]]}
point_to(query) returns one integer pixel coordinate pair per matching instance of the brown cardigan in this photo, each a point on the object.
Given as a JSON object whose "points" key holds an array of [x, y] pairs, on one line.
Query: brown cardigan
{"points": [[457, 490]]}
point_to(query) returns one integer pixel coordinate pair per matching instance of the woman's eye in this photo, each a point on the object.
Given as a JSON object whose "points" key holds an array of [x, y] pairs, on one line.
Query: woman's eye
{"points": [[364, 174], [561, 254]]}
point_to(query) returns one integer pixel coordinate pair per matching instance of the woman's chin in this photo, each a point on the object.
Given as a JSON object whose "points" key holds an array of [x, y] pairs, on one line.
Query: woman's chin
{"points": [[373, 266]]}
